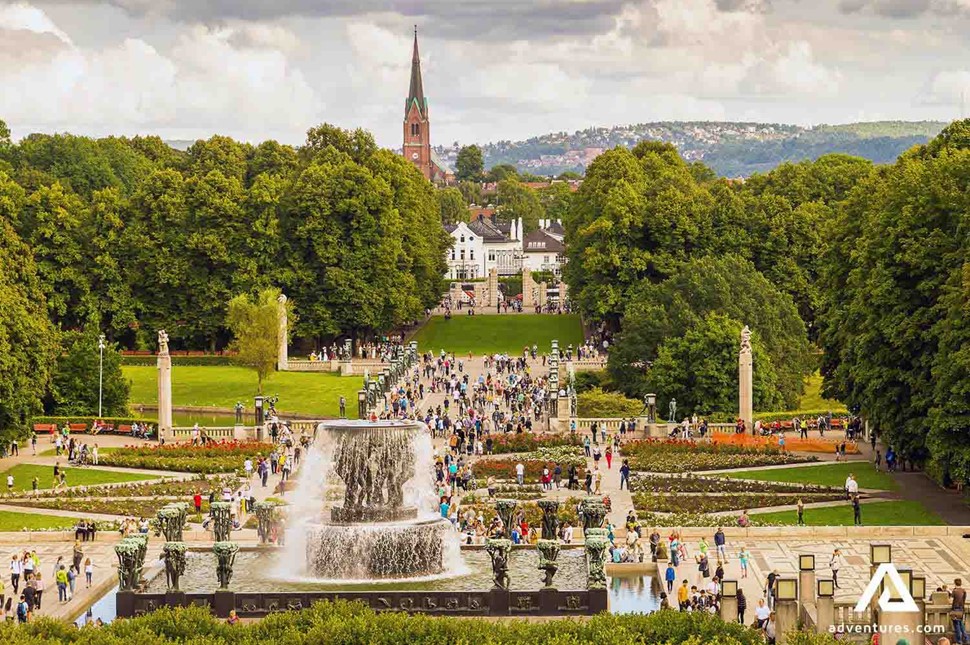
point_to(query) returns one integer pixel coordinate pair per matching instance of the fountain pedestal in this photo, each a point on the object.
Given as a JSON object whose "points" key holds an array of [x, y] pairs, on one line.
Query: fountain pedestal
{"points": [[374, 534]]}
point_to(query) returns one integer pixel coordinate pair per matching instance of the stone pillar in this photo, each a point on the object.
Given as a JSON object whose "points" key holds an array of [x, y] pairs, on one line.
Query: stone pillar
{"points": [[824, 614], [528, 290], [282, 358], [493, 287], [746, 390], [164, 386], [806, 579], [786, 619], [543, 294], [729, 609]]}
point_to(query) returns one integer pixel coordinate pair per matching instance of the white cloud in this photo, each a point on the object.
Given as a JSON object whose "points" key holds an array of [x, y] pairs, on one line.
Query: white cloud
{"points": [[22, 16], [952, 87]]}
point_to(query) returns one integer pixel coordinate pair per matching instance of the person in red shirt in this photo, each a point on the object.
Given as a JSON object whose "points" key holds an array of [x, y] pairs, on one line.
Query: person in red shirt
{"points": [[197, 500]]}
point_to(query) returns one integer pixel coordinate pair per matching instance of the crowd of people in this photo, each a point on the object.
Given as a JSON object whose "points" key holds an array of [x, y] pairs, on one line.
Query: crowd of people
{"points": [[27, 582]]}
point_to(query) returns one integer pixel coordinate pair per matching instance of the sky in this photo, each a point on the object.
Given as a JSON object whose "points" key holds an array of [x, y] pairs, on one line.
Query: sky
{"points": [[504, 69]]}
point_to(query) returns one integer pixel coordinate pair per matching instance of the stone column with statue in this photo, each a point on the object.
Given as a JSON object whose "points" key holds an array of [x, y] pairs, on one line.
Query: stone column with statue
{"points": [[282, 358], [745, 381], [164, 386]]}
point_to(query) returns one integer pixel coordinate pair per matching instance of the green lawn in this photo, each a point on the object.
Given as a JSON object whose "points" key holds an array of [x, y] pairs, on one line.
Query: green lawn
{"points": [[13, 521], [889, 513], [824, 474], [812, 399], [50, 452], [221, 386], [23, 476], [489, 334]]}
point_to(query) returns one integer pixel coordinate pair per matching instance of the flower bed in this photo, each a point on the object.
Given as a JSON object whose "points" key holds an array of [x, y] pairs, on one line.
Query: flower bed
{"points": [[792, 444], [529, 441], [167, 488], [690, 483], [534, 462], [717, 503], [690, 519], [221, 457], [679, 456], [125, 507]]}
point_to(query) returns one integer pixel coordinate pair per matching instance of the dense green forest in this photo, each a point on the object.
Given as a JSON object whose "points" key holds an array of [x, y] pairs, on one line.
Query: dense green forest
{"points": [[868, 263], [128, 236]]}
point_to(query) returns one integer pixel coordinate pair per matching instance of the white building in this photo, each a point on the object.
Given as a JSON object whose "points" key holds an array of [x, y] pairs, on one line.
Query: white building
{"points": [[482, 244], [543, 250]]}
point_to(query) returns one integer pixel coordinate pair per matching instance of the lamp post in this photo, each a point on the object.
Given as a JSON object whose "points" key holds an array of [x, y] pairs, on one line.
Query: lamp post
{"points": [[101, 346]]}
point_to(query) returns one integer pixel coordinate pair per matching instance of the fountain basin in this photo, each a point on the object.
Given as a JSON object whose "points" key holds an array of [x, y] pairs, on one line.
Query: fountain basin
{"points": [[377, 551]]}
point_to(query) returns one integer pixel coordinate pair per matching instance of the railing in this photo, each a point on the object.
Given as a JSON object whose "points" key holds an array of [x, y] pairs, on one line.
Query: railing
{"points": [[611, 424], [845, 614], [221, 432]]}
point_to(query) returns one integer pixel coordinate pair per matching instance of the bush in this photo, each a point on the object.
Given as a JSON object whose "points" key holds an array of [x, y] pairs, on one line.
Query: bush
{"points": [[598, 403], [182, 361], [344, 622], [804, 415], [689, 483]]}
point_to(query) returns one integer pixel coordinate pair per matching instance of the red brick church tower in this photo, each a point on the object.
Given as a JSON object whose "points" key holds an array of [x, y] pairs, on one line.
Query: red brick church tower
{"points": [[417, 126]]}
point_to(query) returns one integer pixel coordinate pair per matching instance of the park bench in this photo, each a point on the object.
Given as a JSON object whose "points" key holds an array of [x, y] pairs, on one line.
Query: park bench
{"points": [[45, 427], [78, 427], [124, 429]]}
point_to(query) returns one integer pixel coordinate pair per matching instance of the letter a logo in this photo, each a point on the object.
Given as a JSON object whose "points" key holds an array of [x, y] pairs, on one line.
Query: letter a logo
{"points": [[905, 602]]}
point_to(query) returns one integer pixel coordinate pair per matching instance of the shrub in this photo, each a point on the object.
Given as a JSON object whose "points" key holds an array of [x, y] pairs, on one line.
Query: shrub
{"points": [[345, 622], [598, 403], [182, 361], [689, 483]]}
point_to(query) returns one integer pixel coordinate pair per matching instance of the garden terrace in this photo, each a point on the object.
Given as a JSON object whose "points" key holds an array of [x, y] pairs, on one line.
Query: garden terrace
{"points": [[528, 442], [129, 506], [677, 456], [164, 488]]}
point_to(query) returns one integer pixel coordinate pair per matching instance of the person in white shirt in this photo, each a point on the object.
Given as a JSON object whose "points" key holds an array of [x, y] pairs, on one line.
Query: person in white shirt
{"points": [[762, 613], [520, 473], [248, 467], [567, 534], [851, 486], [835, 564]]}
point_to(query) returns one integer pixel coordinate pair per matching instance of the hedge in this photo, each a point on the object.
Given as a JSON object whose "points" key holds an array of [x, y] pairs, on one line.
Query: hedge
{"points": [[804, 415], [89, 421], [351, 623], [185, 361]]}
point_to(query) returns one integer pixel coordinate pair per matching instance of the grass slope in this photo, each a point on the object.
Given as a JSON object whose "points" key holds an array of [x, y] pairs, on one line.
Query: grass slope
{"points": [[489, 334], [833, 474], [14, 521], [221, 386], [23, 475], [891, 513]]}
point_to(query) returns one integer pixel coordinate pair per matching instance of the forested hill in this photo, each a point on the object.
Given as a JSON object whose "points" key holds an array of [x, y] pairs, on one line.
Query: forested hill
{"points": [[731, 149]]}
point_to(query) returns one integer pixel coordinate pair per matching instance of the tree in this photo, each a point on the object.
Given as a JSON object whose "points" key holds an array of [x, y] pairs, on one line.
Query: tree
{"points": [[74, 386], [254, 323], [515, 200], [700, 369], [471, 191], [501, 172], [28, 340], [470, 164], [452, 206], [569, 175], [894, 303], [4, 135], [638, 214], [727, 286]]}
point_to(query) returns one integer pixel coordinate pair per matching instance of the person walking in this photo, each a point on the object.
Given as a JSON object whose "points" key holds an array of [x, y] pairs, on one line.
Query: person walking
{"points": [[670, 576], [16, 568], [61, 579], [609, 458], [856, 510], [743, 557], [720, 542], [742, 605], [835, 563], [958, 601], [801, 512], [625, 475]]}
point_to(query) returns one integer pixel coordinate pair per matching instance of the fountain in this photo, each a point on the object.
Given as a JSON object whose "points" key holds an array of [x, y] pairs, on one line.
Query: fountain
{"points": [[377, 532]]}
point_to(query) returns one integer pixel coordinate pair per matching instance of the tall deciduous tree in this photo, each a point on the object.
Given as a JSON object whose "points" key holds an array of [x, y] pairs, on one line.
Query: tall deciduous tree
{"points": [[28, 340], [452, 206], [470, 164], [254, 323], [74, 387], [515, 200]]}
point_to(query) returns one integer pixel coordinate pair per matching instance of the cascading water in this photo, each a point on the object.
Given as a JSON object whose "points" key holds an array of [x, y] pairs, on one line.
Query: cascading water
{"points": [[384, 525]]}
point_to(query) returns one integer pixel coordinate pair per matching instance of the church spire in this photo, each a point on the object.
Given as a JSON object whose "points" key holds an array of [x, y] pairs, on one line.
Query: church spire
{"points": [[416, 92]]}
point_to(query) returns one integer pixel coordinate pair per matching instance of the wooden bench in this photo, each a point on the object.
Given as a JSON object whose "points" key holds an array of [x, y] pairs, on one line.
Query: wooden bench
{"points": [[45, 427], [78, 427], [124, 429]]}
